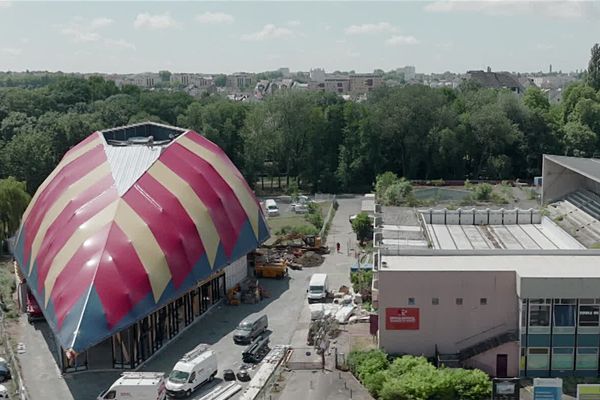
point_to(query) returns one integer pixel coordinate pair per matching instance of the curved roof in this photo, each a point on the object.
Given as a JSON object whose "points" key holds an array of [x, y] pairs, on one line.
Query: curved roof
{"points": [[117, 231]]}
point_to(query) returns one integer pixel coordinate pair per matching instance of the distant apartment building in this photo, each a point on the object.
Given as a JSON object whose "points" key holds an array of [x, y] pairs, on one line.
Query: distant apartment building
{"points": [[240, 81], [409, 72], [317, 75], [339, 84], [364, 83], [148, 80], [194, 83]]}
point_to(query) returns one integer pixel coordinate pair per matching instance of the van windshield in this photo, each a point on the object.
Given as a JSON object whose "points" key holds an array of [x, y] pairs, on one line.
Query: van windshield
{"points": [[178, 376], [272, 207], [245, 326], [316, 288]]}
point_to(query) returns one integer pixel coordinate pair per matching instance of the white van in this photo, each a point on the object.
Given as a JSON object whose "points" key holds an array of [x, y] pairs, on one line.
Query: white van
{"points": [[194, 369], [318, 288], [136, 386], [272, 209]]}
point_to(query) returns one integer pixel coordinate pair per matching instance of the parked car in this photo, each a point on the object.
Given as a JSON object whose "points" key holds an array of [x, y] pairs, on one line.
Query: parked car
{"points": [[4, 371], [299, 208], [272, 209], [250, 328], [228, 375], [4, 392]]}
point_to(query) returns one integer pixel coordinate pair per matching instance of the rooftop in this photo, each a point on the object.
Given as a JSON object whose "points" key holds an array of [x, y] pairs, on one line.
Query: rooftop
{"points": [[528, 264], [588, 167]]}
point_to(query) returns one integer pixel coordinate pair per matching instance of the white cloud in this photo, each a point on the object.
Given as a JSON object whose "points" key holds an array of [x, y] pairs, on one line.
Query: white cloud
{"points": [[399, 40], [293, 23], [353, 54], [553, 9], [11, 51], [215, 18], [81, 30], [119, 43], [544, 46], [156, 21], [5, 4], [269, 31], [371, 28]]}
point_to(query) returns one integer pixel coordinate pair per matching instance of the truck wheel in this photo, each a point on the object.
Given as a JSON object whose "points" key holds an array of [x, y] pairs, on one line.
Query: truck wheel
{"points": [[188, 393]]}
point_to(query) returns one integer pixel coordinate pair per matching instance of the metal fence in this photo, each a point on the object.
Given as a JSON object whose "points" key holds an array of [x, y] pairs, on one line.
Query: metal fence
{"points": [[328, 218], [21, 392]]}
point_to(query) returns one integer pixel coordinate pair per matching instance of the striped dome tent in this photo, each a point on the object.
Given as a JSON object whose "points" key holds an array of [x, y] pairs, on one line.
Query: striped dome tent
{"points": [[130, 219]]}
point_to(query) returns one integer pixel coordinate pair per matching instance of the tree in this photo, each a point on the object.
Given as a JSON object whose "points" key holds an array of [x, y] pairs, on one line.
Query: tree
{"points": [[535, 99], [594, 67], [383, 182], [13, 202], [220, 80], [30, 157], [579, 140], [361, 225], [397, 193]]}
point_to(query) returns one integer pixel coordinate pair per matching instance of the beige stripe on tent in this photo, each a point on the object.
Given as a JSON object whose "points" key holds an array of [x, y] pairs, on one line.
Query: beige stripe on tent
{"points": [[192, 204], [239, 189], [77, 239], [76, 153], [147, 248], [79, 186]]}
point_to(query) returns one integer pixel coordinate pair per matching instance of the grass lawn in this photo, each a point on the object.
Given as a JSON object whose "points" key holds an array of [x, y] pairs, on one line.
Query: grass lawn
{"points": [[276, 223]]}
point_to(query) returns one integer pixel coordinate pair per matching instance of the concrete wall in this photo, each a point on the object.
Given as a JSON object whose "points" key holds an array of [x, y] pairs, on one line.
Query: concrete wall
{"points": [[559, 181], [481, 217], [236, 272], [450, 326], [487, 361]]}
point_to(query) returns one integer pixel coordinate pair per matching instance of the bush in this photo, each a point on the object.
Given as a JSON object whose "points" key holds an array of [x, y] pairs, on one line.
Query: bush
{"points": [[299, 229], [398, 193], [483, 191], [361, 283], [383, 181], [314, 215], [414, 378], [361, 225]]}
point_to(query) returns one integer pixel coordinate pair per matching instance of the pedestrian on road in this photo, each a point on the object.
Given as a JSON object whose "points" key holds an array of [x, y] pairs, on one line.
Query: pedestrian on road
{"points": [[338, 246]]}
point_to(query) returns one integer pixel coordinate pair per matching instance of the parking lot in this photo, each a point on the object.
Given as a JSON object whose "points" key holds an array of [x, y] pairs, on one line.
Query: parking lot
{"points": [[286, 303]]}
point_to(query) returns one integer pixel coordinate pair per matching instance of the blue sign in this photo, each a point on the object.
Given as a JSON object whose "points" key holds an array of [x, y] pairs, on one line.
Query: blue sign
{"points": [[547, 393]]}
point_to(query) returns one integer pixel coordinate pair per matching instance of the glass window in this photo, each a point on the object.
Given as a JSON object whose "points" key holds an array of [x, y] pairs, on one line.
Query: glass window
{"points": [[459, 301], [435, 301], [564, 315], [537, 359], [539, 315], [588, 315], [562, 358], [483, 301], [587, 358], [524, 313], [411, 301], [111, 395]]}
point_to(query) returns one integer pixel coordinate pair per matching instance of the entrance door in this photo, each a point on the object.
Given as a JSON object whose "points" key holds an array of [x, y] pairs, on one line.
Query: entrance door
{"points": [[501, 365]]}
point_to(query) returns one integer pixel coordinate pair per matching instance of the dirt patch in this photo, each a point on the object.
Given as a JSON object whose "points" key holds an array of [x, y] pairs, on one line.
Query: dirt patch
{"points": [[310, 259]]}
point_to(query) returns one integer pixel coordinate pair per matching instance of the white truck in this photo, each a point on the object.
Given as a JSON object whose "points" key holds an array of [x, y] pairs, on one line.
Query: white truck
{"points": [[318, 288], [136, 386], [193, 370]]}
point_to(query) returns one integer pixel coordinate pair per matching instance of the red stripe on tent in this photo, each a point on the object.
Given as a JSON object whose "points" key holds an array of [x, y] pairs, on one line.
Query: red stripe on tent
{"points": [[85, 141], [53, 244], [72, 172], [204, 142], [227, 213], [76, 278], [170, 224], [121, 281]]}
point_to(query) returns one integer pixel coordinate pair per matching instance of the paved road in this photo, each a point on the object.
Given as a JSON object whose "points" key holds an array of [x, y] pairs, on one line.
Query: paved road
{"points": [[284, 308]]}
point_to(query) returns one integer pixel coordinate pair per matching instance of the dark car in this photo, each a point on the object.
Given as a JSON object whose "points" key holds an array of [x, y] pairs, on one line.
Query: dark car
{"points": [[4, 371], [228, 375], [243, 375]]}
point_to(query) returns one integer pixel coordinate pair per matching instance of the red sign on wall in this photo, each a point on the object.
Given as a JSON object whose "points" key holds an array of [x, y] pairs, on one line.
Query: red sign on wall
{"points": [[402, 318]]}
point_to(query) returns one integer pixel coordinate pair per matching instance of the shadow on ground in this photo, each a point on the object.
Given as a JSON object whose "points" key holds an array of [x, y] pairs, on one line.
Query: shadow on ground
{"points": [[212, 327]]}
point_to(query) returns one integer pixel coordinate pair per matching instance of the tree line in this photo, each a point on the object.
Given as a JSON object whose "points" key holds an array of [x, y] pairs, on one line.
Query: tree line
{"points": [[324, 142]]}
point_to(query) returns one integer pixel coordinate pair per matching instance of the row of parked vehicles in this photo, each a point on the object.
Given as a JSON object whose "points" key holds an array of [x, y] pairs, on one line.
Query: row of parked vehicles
{"points": [[194, 369]]}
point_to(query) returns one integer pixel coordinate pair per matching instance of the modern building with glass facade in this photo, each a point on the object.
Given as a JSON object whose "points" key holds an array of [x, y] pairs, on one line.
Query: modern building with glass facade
{"points": [[137, 232], [510, 313]]}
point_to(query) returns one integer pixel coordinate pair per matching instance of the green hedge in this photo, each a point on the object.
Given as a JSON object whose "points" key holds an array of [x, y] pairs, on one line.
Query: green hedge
{"points": [[414, 378]]}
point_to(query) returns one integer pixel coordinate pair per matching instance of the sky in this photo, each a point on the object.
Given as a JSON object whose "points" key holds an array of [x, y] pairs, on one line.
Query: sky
{"points": [[227, 36]]}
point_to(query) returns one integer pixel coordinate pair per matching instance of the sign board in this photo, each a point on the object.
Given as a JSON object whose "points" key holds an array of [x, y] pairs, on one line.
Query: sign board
{"points": [[401, 318], [547, 389], [506, 389], [588, 315], [588, 392]]}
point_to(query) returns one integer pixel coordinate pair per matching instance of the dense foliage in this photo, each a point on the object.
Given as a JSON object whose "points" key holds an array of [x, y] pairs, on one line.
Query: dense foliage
{"points": [[13, 202], [324, 142], [362, 226], [414, 378]]}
